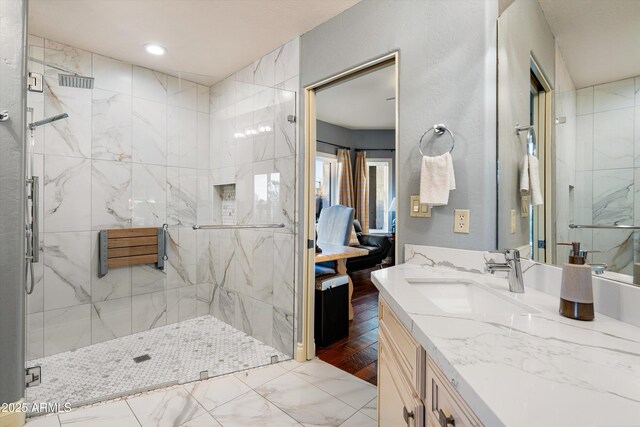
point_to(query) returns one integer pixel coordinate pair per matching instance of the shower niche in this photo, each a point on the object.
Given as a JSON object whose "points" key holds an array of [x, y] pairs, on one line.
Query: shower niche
{"points": [[224, 204]]}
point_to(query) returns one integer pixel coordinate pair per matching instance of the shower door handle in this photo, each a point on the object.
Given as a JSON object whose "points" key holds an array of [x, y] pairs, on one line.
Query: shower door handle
{"points": [[35, 208]]}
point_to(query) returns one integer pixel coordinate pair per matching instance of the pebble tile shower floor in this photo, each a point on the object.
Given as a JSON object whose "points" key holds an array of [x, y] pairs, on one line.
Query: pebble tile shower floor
{"points": [[178, 353]]}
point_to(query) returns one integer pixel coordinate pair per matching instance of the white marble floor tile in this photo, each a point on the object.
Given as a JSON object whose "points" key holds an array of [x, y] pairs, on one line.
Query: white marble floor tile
{"points": [[346, 387], [256, 377], [110, 414], [166, 408], [251, 409], [371, 409], [46, 421], [217, 391], [204, 420], [359, 420], [305, 402], [290, 364]]}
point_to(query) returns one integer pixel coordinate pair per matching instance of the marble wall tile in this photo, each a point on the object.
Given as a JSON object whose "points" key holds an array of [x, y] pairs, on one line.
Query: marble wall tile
{"points": [[637, 137], [636, 196], [35, 336], [613, 139], [263, 125], [283, 270], [244, 193], [204, 297], [224, 301], [173, 266], [287, 61], [205, 258], [146, 279], [113, 75], [149, 132], [110, 319], [244, 131], [583, 197], [204, 196], [187, 306], [584, 142], [203, 137], [263, 272], [225, 249], [227, 92], [264, 70], [203, 99], [584, 101], [285, 132], [182, 93], [67, 269], [174, 197], [285, 189], [111, 126], [243, 241], [242, 313], [110, 195], [613, 95], [613, 195], [67, 329], [35, 100], [149, 195], [70, 136], [148, 311], [67, 194], [261, 321], [637, 90], [68, 57], [227, 142], [265, 195], [187, 256], [188, 196], [616, 249], [283, 335], [149, 84], [215, 133], [116, 284]]}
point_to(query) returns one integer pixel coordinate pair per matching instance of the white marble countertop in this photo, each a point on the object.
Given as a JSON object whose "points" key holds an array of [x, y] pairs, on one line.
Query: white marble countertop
{"points": [[528, 370]]}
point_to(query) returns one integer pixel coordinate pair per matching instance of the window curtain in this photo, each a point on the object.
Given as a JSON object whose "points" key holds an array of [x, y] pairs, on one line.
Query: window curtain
{"points": [[346, 181], [362, 190]]}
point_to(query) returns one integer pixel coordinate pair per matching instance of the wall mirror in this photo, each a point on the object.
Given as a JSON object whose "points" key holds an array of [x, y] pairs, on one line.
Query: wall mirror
{"points": [[569, 132]]}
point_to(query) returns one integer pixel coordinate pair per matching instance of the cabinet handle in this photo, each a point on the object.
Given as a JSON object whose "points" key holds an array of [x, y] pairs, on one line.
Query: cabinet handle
{"points": [[444, 420], [406, 415]]}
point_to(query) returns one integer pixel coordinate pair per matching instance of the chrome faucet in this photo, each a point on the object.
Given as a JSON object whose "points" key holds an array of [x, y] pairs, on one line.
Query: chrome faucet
{"points": [[512, 266]]}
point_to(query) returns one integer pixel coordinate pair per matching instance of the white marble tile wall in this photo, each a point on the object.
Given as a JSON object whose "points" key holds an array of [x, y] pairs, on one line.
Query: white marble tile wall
{"points": [[135, 151], [607, 167], [253, 146]]}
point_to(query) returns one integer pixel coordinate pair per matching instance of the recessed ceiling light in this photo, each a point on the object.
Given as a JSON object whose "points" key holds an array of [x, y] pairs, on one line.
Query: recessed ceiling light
{"points": [[155, 49]]}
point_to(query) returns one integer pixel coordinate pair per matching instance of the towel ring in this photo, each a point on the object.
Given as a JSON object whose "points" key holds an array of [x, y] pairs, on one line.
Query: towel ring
{"points": [[439, 129]]}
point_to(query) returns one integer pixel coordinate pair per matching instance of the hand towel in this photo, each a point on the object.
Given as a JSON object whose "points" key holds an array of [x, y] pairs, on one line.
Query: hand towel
{"points": [[534, 181], [524, 175], [437, 178]]}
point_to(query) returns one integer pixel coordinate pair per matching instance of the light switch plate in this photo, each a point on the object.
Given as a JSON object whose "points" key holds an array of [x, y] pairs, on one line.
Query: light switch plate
{"points": [[524, 206], [513, 221], [461, 221], [417, 209]]}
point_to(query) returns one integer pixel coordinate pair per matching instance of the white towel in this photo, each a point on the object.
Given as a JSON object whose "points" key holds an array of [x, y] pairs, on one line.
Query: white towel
{"points": [[530, 179], [436, 180], [534, 181]]}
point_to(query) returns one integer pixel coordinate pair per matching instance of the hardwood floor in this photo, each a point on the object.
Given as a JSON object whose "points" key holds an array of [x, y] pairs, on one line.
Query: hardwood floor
{"points": [[358, 352]]}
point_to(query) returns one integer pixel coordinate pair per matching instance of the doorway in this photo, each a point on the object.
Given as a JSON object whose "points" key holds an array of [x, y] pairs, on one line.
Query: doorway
{"points": [[350, 180]]}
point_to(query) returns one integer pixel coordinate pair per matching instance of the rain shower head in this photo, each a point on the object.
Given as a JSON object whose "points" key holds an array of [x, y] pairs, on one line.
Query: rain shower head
{"points": [[48, 120], [75, 80]]}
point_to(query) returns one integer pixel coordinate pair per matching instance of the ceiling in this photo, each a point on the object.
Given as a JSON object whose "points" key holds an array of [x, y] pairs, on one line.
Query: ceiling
{"points": [[360, 103], [599, 40], [206, 39]]}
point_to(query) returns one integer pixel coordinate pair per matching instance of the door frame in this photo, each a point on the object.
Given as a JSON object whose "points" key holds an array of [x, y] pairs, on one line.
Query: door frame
{"points": [[306, 349]]}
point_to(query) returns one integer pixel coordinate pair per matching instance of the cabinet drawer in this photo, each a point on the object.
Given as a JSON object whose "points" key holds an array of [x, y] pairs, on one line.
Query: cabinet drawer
{"points": [[443, 402], [412, 357]]}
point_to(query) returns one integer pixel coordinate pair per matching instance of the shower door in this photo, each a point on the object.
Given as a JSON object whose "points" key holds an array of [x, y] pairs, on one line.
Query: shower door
{"points": [[236, 303]]}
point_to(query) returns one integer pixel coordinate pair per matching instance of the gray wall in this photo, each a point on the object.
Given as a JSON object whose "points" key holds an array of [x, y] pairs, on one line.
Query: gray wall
{"points": [[524, 32], [12, 93], [447, 74]]}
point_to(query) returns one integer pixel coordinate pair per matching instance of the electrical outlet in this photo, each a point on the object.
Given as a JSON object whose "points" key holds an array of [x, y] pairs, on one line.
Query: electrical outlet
{"points": [[418, 209], [461, 221], [513, 221], [524, 206]]}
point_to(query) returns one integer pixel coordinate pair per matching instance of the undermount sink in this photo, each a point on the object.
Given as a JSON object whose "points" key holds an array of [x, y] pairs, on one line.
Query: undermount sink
{"points": [[461, 296]]}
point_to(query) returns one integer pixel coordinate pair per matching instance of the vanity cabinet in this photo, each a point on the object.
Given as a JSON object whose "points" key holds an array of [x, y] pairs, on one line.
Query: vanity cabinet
{"points": [[412, 390]]}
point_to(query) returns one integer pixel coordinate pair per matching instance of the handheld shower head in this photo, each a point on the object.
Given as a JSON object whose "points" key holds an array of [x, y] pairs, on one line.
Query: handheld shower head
{"points": [[47, 120]]}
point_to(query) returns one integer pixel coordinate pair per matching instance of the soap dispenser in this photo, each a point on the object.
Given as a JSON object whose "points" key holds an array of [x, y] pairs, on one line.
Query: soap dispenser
{"points": [[576, 293]]}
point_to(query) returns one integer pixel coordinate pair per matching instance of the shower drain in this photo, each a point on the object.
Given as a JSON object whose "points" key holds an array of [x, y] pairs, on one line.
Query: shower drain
{"points": [[142, 358]]}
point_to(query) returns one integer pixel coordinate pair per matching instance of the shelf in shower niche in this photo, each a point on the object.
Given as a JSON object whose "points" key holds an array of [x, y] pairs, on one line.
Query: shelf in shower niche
{"points": [[120, 247]]}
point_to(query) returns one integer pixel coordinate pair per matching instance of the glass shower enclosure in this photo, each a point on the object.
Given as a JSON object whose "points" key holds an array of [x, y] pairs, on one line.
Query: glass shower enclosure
{"points": [[138, 149]]}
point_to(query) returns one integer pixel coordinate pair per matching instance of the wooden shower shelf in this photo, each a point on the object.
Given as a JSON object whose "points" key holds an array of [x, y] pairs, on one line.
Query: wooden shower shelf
{"points": [[131, 246]]}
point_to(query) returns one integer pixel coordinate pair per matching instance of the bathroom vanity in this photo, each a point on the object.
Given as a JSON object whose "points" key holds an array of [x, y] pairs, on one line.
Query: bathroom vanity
{"points": [[456, 348]]}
